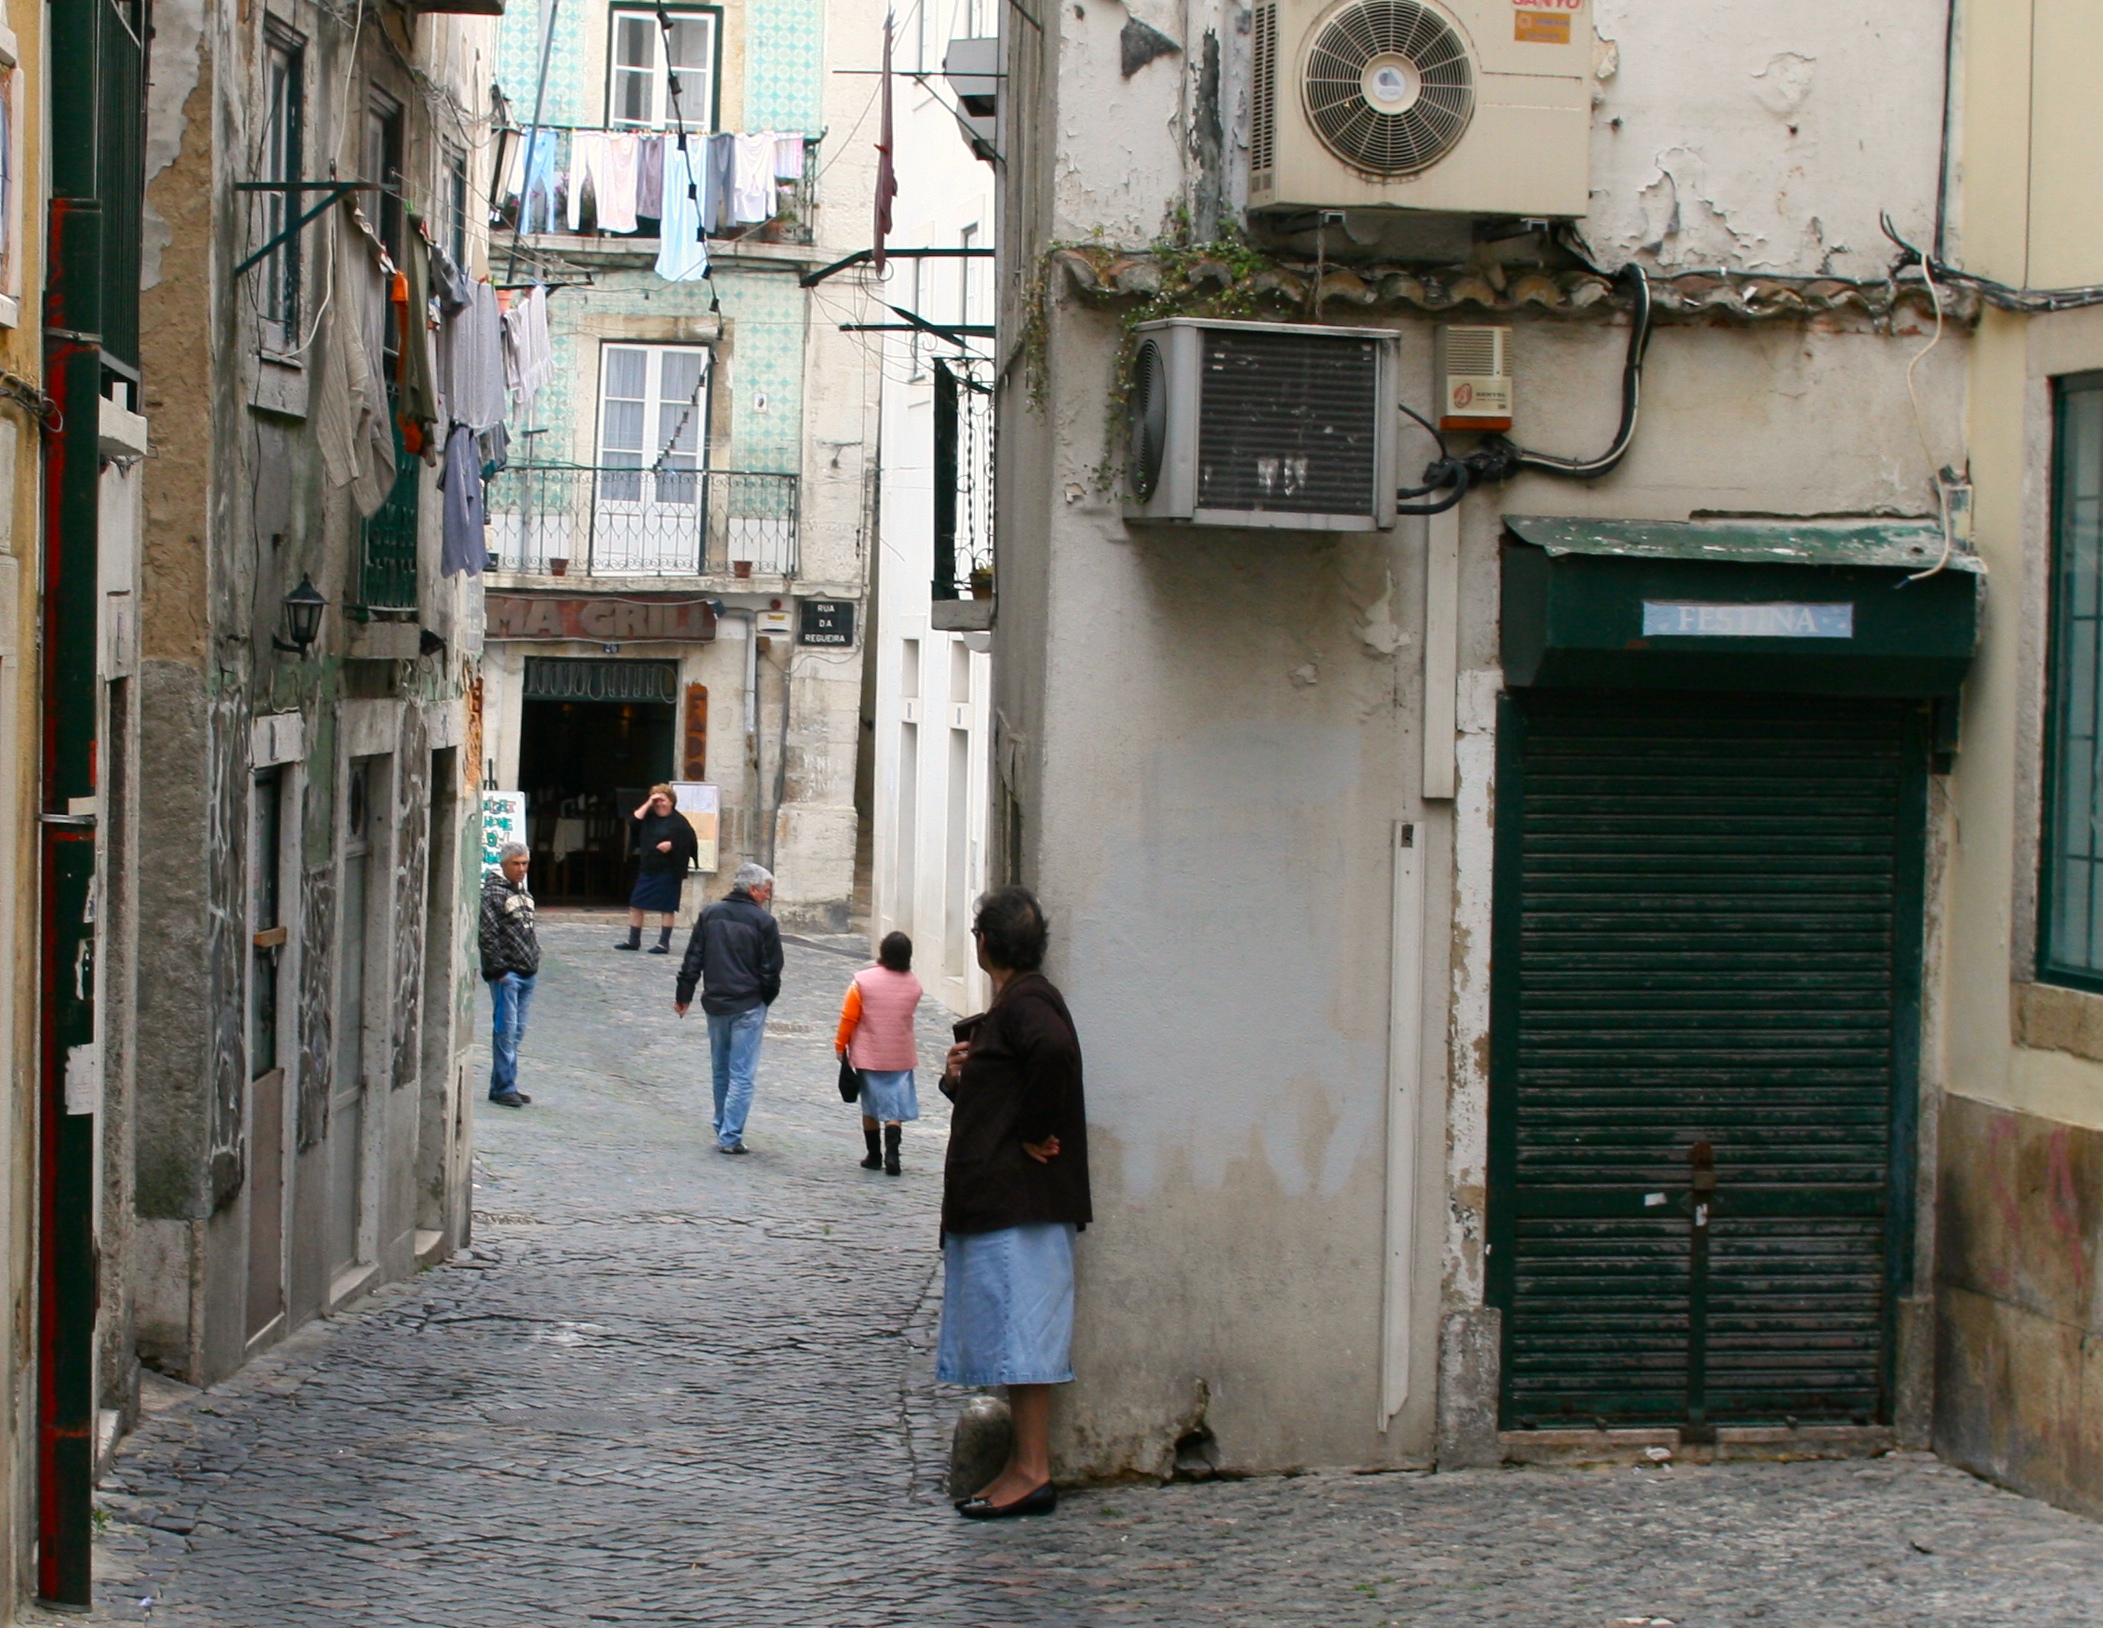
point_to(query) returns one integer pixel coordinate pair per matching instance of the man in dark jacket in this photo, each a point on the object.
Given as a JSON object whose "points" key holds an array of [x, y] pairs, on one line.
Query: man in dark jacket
{"points": [[735, 956], [510, 963]]}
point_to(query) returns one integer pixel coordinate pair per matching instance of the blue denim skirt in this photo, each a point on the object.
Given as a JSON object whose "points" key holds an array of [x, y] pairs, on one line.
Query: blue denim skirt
{"points": [[888, 1094], [1007, 1307]]}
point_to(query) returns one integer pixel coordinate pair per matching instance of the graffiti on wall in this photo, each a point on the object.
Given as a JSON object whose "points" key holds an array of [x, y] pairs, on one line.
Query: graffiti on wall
{"points": [[412, 891]]}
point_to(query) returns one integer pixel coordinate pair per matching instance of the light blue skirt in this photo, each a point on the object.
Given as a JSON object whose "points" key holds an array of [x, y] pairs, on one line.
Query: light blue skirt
{"points": [[1007, 1306], [889, 1094]]}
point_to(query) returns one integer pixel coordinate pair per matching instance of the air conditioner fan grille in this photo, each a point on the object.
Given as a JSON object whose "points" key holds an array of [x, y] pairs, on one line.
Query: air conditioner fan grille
{"points": [[1414, 60]]}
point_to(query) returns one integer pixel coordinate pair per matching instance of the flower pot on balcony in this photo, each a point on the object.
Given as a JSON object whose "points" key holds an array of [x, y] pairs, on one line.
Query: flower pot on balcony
{"points": [[558, 568], [981, 583], [741, 568]]}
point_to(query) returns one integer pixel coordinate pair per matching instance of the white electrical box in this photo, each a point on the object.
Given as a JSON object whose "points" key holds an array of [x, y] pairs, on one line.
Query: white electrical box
{"points": [[1474, 377], [1472, 107]]}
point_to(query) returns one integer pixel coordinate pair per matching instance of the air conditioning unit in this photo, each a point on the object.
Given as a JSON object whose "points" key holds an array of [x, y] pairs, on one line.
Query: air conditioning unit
{"points": [[1474, 107], [1262, 424]]}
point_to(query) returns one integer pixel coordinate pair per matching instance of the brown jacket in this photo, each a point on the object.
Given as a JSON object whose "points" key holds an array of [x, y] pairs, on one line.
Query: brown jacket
{"points": [[1021, 1083]]}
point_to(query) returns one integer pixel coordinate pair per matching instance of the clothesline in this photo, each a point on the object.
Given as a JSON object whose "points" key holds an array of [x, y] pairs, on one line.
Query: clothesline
{"points": [[690, 185]]}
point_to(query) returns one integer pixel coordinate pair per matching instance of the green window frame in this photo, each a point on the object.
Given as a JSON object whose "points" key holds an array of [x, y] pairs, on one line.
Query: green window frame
{"points": [[2070, 859]]}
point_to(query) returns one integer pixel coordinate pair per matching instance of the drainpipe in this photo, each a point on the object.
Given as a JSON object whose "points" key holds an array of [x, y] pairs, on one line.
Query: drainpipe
{"points": [[66, 1286]]}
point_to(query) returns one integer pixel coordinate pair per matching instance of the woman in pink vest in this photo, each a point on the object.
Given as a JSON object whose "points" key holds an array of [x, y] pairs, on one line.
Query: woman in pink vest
{"points": [[876, 1036]]}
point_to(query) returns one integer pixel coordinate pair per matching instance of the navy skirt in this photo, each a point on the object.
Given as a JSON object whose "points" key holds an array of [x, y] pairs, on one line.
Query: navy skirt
{"points": [[658, 891]]}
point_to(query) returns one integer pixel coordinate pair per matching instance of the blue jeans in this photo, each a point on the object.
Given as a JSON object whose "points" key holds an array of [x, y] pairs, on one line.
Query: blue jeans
{"points": [[510, 995], [733, 1047]]}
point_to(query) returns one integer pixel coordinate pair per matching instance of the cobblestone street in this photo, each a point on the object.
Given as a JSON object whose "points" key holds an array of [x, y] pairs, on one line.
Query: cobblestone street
{"points": [[670, 1387]]}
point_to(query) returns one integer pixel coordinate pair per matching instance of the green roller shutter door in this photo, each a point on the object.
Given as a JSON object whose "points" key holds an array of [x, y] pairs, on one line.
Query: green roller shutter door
{"points": [[1708, 928]]}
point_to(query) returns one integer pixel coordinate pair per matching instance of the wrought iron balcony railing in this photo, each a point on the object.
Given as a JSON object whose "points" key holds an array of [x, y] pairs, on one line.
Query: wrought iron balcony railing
{"points": [[387, 563], [572, 520]]}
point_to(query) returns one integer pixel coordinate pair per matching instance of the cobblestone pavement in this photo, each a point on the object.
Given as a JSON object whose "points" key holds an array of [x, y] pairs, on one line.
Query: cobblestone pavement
{"points": [[670, 1387]]}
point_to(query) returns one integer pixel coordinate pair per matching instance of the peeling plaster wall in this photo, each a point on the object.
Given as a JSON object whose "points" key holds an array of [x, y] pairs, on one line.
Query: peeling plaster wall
{"points": [[1210, 734], [238, 510], [1765, 138]]}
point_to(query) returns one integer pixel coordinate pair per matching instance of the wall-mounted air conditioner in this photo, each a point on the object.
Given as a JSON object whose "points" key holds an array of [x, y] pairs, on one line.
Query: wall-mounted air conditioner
{"points": [[1262, 424], [1475, 107]]}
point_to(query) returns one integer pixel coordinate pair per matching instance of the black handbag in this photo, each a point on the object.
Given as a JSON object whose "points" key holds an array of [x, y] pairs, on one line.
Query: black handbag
{"points": [[850, 1080]]}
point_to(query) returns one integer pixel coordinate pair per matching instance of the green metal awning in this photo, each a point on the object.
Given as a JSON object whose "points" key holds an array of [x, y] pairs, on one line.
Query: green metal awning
{"points": [[1837, 607]]}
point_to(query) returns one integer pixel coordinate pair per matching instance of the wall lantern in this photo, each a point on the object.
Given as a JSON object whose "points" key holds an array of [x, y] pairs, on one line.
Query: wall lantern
{"points": [[303, 608]]}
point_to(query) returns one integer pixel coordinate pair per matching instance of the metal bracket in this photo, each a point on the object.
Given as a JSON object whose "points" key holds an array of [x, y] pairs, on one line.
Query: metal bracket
{"points": [[337, 191]]}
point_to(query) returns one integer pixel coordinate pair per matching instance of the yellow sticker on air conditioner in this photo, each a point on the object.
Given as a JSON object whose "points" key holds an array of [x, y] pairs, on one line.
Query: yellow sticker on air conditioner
{"points": [[1541, 27]]}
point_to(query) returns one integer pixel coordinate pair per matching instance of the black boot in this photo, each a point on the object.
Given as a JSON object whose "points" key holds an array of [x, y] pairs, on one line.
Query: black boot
{"points": [[664, 941], [892, 1136], [875, 1160], [635, 940]]}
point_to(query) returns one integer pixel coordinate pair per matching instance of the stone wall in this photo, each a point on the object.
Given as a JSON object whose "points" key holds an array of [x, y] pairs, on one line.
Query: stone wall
{"points": [[2019, 1351]]}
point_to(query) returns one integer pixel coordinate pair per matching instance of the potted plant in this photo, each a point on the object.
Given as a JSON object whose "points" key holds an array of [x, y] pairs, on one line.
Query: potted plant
{"points": [[558, 567]]}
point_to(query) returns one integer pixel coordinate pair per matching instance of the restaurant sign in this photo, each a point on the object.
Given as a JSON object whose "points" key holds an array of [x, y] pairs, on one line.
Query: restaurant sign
{"points": [[600, 619]]}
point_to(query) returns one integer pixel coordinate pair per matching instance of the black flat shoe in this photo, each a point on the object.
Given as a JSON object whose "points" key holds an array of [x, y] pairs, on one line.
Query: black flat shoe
{"points": [[660, 949], [511, 1099], [1041, 1502], [634, 946]]}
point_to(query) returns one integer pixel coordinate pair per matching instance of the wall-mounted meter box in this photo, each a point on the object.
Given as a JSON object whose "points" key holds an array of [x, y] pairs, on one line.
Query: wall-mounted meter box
{"points": [[1474, 378]]}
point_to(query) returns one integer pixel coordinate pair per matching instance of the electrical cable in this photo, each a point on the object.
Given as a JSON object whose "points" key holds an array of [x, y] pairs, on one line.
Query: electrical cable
{"points": [[2002, 296], [1498, 460], [1639, 332]]}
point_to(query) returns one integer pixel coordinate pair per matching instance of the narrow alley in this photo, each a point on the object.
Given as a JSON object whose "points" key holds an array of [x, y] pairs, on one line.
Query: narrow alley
{"points": [[667, 1387]]}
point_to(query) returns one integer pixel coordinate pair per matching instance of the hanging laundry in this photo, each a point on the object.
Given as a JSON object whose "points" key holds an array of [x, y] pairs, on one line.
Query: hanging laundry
{"points": [[606, 162], [752, 180], [715, 192], [495, 443], [587, 169], [649, 175], [463, 543], [473, 361], [537, 181], [448, 281], [530, 359], [616, 191], [416, 378], [352, 422], [682, 244], [788, 158]]}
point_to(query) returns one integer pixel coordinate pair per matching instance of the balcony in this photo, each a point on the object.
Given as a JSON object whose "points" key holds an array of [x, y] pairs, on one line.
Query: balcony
{"points": [[571, 520], [791, 222]]}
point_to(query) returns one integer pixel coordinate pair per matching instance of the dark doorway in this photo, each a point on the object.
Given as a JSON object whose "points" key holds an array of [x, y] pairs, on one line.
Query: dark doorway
{"points": [[584, 766]]}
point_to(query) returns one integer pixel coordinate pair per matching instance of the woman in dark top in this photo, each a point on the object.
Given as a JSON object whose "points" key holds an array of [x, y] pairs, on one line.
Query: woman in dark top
{"points": [[1014, 1192], [660, 834]]}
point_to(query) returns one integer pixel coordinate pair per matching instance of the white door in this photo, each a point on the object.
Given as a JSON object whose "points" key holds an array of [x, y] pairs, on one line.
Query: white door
{"points": [[653, 409]]}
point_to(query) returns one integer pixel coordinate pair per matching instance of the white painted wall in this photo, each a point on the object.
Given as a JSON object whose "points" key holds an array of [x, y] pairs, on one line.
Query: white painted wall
{"points": [[930, 853]]}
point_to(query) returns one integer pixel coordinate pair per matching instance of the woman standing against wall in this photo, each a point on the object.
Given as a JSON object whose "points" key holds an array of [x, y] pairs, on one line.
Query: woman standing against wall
{"points": [[667, 846], [876, 1037], [1014, 1192]]}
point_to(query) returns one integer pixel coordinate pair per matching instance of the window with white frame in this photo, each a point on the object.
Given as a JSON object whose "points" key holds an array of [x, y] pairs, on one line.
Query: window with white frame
{"points": [[653, 418], [662, 74]]}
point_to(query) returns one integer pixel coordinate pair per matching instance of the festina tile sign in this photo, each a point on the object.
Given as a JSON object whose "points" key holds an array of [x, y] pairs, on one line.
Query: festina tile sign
{"points": [[827, 621]]}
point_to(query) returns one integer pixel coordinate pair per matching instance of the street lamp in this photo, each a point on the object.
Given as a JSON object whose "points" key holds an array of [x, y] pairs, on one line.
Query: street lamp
{"points": [[303, 608]]}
